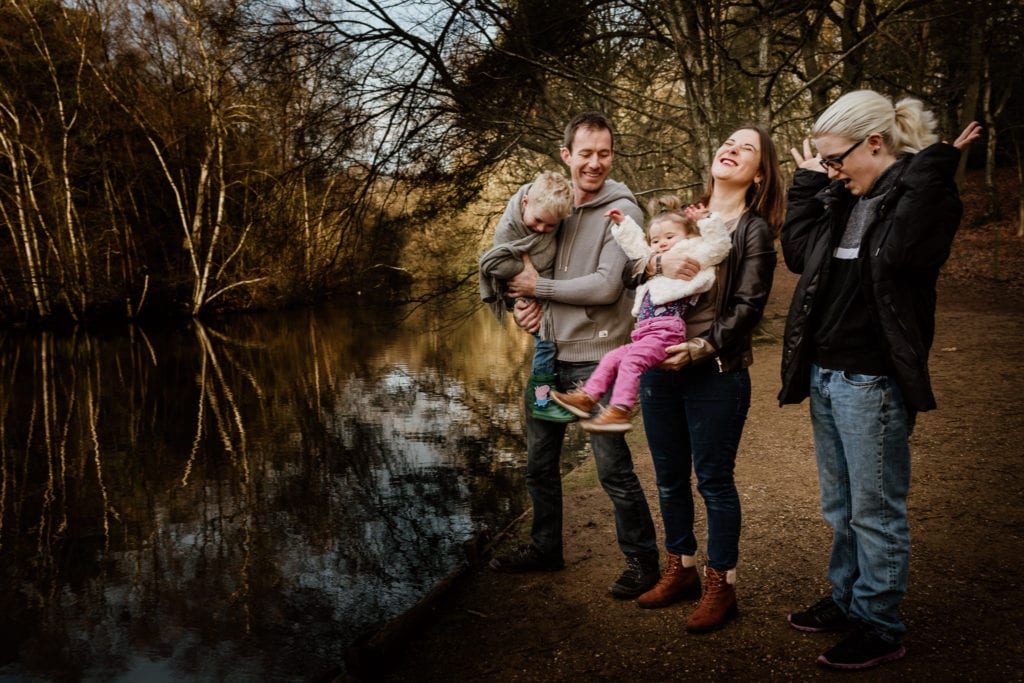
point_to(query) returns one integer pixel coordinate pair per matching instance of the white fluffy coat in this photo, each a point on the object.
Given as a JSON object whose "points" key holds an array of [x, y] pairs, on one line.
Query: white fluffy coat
{"points": [[709, 249]]}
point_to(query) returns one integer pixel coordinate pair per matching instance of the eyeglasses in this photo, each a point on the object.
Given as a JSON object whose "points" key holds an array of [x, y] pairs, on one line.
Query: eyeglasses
{"points": [[836, 163]]}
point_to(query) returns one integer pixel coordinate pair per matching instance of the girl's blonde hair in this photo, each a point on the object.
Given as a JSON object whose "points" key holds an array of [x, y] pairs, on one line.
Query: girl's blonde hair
{"points": [[669, 207], [906, 128], [551, 192]]}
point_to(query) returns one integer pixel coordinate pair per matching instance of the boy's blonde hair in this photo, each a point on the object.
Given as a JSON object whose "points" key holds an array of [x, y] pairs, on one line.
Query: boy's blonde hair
{"points": [[551, 192], [906, 127], [670, 208]]}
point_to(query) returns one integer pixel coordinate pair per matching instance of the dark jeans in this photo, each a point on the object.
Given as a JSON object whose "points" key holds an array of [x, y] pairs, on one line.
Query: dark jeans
{"points": [[633, 523], [694, 418]]}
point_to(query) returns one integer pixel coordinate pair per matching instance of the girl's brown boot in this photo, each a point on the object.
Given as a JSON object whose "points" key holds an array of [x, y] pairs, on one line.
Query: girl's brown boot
{"points": [[718, 603], [679, 580]]}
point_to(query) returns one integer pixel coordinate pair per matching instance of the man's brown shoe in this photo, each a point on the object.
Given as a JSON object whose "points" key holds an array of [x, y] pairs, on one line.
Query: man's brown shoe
{"points": [[576, 402], [679, 580], [718, 603], [611, 419]]}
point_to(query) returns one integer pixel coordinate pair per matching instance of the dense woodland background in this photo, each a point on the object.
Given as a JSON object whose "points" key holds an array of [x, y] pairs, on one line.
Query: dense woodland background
{"points": [[165, 158]]}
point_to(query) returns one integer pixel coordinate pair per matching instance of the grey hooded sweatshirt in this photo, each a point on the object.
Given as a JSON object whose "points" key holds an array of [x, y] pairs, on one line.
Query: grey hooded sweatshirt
{"points": [[590, 307]]}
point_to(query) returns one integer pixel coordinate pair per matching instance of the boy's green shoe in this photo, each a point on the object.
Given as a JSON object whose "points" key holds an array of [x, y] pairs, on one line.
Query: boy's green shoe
{"points": [[542, 407]]}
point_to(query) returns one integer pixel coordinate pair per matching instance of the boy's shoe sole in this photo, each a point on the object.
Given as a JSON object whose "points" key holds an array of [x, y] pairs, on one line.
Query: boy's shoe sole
{"points": [[861, 648], [549, 415]]}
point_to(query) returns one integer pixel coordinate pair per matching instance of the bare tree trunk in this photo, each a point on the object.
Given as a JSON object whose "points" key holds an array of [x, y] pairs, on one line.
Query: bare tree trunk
{"points": [[992, 115], [21, 216]]}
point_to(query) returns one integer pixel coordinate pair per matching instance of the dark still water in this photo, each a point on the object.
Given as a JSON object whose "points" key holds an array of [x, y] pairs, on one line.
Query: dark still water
{"points": [[242, 500]]}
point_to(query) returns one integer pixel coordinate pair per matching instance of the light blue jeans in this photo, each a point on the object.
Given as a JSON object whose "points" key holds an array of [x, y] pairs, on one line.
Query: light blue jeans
{"points": [[543, 357], [861, 433]]}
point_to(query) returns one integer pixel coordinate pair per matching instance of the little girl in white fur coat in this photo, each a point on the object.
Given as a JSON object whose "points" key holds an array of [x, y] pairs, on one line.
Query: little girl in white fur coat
{"points": [[660, 306], [709, 249]]}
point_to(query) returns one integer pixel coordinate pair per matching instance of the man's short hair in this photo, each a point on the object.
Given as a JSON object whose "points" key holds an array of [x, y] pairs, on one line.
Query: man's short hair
{"points": [[591, 119]]}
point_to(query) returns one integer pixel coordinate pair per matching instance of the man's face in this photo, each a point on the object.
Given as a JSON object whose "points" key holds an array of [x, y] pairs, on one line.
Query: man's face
{"points": [[589, 161]]}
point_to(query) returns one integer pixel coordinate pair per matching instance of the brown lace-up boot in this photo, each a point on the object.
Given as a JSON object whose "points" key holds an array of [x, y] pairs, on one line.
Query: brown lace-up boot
{"points": [[718, 603], [679, 580]]}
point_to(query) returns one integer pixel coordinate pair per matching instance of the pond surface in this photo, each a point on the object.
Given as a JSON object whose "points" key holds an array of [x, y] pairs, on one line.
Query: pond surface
{"points": [[243, 499]]}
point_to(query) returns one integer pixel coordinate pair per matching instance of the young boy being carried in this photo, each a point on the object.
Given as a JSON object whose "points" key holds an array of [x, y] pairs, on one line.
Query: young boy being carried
{"points": [[527, 227]]}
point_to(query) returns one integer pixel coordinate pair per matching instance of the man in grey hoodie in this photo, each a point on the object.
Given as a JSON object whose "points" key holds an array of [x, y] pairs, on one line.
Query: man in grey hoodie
{"points": [[590, 312]]}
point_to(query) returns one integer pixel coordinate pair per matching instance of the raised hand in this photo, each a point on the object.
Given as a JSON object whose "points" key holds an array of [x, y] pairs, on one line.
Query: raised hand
{"points": [[971, 133], [807, 160]]}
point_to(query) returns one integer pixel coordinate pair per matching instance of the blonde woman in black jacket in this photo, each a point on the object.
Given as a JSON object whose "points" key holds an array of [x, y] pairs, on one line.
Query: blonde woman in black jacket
{"points": [[870, 220]]}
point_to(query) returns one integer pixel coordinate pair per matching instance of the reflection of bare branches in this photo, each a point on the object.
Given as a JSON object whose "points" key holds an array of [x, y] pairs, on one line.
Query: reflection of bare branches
{"points": [[446, 315], [241, 452], [92, 408], [7, 381], [200, 421], [223, 425], [50, 446]]}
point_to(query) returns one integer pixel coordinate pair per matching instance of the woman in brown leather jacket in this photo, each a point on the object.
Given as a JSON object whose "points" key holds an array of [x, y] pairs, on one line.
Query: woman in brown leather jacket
{"points": [[695, 404]]}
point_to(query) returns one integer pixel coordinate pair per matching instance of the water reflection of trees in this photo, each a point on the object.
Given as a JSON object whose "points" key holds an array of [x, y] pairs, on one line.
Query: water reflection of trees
{"points": [[247, 496]]}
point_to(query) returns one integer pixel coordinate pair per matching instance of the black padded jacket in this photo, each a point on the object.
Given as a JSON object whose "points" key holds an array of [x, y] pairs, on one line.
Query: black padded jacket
{"points": [[900, 256]]}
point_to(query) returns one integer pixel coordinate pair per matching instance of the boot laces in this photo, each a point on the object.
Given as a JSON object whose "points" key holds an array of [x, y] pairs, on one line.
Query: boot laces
{"points": [[714, 581]]}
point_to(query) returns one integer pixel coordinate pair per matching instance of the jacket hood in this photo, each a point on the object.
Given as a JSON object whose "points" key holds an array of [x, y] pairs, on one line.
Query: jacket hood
{"points": [[511, 226]]}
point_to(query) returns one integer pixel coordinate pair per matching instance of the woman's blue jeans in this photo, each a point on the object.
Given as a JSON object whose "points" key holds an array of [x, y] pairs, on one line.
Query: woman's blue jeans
{"points": [[861, 435], [694, 418], [614, 462]]}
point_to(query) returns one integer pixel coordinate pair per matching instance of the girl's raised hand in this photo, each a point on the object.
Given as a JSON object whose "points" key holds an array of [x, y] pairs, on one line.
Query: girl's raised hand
{"points": [[696, 212], [616, 216]]}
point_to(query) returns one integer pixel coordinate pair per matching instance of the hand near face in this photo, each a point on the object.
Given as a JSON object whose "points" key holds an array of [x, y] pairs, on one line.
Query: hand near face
{"points": [[807, 160], [696, 212]]}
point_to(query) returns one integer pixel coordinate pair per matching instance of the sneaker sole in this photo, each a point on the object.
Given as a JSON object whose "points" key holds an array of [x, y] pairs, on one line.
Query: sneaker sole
{"points": [[816, 629], [863, 665], [568, 419]]}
